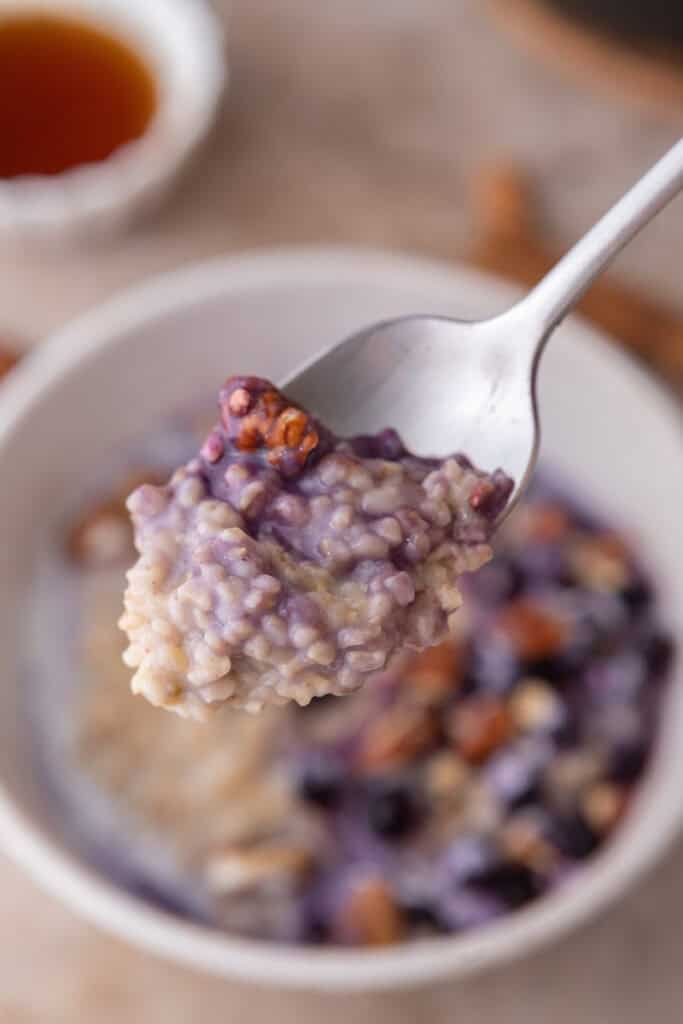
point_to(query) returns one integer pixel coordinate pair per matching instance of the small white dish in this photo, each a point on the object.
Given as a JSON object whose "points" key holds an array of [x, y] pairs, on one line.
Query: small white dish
{"points": [[117, 371], [182, 43]]}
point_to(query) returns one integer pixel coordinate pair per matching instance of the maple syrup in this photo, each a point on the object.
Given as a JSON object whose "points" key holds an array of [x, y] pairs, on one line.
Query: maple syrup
{"points": [[70, 94]]}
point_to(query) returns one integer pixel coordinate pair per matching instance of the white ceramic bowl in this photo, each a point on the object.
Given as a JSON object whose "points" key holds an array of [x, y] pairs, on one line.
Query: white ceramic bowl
{"points": [[118, 370], [182, 43]]}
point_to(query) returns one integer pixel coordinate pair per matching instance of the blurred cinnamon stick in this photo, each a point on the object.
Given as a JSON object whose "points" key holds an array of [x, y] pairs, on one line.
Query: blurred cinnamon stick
{"points": [[510, 240], [8, 358]]}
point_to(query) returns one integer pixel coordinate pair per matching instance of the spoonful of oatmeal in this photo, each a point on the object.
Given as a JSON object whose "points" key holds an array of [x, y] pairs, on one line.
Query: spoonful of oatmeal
{"points": [[287, 561], [284, 563]]}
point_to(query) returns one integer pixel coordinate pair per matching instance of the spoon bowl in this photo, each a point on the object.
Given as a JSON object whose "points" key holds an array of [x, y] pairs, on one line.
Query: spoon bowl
{"points": [[453, 386], [445, 385]]}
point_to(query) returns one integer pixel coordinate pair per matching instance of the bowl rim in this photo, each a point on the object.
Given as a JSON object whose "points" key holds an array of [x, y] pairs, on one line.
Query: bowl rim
{"points": [[267, 963]]}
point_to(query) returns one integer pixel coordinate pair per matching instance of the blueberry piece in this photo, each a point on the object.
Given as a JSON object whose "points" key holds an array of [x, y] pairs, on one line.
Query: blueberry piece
{"points": [[601, 618], [567, 734], [513, 884], [555, 670], [388, 445], [627, 762], [315, 931], [392, 810], [579, 647], [561, 668], [573, 837], [468, 859], [363, 445], [421, 916], [637, 595], [659, 652], [385, 445], [321, 780]]}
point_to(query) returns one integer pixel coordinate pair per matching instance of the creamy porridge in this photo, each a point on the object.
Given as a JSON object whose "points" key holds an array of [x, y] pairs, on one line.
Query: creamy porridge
{"points": [[460, 786], [282, 563]]}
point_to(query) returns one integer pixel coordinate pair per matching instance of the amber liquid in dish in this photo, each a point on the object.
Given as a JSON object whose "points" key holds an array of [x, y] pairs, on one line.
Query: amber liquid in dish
{"points": [[70, 94]]}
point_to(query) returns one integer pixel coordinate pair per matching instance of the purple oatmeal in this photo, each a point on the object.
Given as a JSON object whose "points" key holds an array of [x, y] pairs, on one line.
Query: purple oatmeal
{"points": [[283, 563], [464, 784]]}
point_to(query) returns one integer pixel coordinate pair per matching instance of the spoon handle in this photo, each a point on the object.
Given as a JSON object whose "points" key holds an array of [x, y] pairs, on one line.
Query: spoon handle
{"points": [[563, 286]]}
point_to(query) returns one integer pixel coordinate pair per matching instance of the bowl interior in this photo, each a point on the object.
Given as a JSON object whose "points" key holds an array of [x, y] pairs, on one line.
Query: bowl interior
{"points": [[118, 371]]}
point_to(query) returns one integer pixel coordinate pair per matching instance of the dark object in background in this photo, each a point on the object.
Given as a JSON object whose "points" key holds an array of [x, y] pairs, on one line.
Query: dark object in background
{"points": [[642, 20]]}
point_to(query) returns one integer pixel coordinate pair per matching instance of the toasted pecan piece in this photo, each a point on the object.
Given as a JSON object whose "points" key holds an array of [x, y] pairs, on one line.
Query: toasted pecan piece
{"points": [[478, 726], [532, 630], [397, 736], [103, 534], [371, 916], [603, 804], [256, 417], [436, 672]]}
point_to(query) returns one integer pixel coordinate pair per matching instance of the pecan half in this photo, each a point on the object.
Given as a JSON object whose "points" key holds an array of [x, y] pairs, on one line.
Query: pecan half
{"points": [[256, 417], [478, 726], [399, 735], [370, 916], [103, 536], [436, 672], [533, 631]]}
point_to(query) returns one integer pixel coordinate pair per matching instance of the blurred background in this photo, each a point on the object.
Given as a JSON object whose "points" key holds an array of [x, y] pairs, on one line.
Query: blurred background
{"points": [[464, 130]]}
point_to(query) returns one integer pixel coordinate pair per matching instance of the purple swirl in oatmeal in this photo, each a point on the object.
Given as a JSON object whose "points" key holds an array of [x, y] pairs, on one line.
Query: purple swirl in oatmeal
{"points": [[463, 785], [283, 563]]}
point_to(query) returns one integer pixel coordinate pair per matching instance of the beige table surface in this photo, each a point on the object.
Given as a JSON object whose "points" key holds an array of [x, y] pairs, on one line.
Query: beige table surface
{"points": [[360, 121]]}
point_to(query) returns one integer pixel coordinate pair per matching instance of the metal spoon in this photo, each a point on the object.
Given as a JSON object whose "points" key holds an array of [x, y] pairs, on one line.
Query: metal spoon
{"points": [[452, 385]]}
